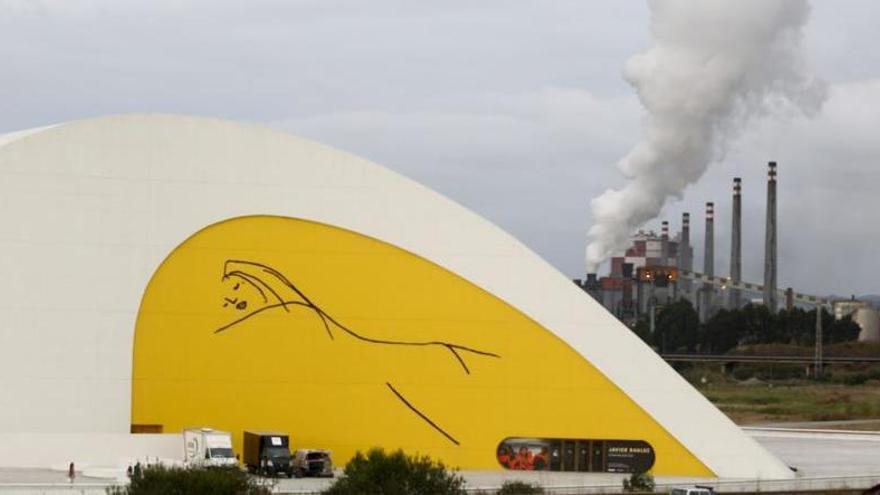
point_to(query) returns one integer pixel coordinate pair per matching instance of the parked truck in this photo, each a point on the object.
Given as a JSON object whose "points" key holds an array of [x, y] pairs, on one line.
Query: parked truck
{"points": [[267, 453], [207, 447]]}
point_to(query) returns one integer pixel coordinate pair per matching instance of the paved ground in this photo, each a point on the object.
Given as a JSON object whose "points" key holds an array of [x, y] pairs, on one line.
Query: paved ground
{"points": [[19, 475], [822, 452], [848, 424], [816, 454], [17, 481], [824, 458]]}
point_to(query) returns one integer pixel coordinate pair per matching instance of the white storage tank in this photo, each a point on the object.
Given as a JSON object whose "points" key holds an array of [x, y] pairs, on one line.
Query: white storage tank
{"points": [[869, 320]]}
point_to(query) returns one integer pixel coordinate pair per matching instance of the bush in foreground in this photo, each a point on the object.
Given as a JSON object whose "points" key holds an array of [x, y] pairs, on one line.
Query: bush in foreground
{"points": [[519, 488], [162, 480], [639, 482], [381, 473]]}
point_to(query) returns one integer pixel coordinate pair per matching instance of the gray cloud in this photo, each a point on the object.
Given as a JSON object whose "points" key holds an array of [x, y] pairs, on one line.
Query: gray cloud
{"points": [[528, 161], [515, 109]]}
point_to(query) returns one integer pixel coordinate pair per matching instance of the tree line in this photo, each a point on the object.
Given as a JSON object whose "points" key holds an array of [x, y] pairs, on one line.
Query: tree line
{"points": [[677, 328]]}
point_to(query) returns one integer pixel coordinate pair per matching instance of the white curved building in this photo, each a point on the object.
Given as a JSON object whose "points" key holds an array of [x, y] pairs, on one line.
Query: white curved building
{"points": [[377, 313]]}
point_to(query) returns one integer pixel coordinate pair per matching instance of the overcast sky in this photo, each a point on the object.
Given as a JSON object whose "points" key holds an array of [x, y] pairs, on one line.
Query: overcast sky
{"points": [[516, 109]]}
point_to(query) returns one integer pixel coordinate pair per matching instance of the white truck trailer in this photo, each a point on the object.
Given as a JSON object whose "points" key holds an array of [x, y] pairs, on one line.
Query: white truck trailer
{"points": [[207, 447]]}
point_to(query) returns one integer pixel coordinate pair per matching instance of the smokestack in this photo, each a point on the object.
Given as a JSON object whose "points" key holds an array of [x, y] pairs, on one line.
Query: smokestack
{"points": [[708, 262], [709, 259], [664, 241], [685, 260], [770, 242], [686, 228], [685, 253], [733, 300]]}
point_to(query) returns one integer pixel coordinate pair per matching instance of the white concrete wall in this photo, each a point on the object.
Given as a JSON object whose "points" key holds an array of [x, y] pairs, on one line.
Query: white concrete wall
{"points": [[86, 450], [89, 209]]}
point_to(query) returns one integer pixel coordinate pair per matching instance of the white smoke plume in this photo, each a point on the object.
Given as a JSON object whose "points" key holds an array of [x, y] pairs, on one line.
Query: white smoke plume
{"points": [[715, 65]]}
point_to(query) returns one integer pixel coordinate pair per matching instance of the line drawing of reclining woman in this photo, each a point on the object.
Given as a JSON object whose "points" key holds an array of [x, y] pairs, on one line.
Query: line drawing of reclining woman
{"points": [[275, 292]]}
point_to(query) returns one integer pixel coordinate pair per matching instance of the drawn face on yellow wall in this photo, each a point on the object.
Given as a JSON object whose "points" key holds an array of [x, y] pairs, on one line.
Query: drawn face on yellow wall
{"points": [[346, 342]]}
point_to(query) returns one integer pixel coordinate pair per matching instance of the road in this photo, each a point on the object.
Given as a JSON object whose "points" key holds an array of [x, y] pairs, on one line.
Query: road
{"points": [[825, 459]]}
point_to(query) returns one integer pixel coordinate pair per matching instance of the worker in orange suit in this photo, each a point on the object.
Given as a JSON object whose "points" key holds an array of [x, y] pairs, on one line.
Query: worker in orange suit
{"points": [[524, 459]]}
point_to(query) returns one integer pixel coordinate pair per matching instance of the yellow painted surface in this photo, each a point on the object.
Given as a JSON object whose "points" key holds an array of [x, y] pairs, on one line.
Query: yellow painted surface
{"points": [[479, 369]]}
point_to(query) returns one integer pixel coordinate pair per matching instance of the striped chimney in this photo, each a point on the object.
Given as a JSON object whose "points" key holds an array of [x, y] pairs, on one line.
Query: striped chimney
{"points": [[709, 259], [708, 263], [770, 298], [733, 296], [684, 253]]}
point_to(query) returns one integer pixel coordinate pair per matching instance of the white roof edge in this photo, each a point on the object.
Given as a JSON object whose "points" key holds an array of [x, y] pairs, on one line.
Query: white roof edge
{"points": [[11, 137]]}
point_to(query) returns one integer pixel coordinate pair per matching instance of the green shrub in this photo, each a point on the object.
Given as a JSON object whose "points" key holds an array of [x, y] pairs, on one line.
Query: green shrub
{"points": [[853, 375], [519, 488], [381, 473], [760, 400], [742, 373], [161, 480], [855, 379], [774, 410], [639, 482]]}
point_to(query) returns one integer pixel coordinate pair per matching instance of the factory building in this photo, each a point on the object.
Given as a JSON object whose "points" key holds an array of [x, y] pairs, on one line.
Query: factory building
{"points": [[645, 276]]}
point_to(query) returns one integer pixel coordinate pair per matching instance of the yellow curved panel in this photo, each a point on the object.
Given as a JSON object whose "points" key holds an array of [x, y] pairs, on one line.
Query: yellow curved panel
{"points": [[347, 342]]}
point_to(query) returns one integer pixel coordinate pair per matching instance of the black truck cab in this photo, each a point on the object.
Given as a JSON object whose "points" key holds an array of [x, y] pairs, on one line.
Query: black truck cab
{"points": [[267, 453]]}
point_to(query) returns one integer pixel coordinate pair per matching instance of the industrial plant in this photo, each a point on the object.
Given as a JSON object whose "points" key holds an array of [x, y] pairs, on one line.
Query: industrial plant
{"points": [[656, 270]]}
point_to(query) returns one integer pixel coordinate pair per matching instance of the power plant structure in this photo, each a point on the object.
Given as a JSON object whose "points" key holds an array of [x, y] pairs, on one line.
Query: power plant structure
{"points": [[658, 269]]}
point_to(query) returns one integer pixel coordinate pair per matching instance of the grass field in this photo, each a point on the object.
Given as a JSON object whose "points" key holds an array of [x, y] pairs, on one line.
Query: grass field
{"points": [[756, 401], [779, 393]]}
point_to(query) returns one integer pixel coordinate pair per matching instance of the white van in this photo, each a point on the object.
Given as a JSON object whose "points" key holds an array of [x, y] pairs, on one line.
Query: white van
{"points": [[697, 490], [208, 448]]}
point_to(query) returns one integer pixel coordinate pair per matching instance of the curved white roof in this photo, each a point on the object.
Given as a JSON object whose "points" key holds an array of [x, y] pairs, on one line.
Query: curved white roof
{"points": [[89, 209]]}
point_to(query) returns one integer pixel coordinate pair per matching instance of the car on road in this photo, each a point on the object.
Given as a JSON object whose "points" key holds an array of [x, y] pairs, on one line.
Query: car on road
{"points": [[312, 462], [692, 490]]}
